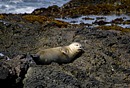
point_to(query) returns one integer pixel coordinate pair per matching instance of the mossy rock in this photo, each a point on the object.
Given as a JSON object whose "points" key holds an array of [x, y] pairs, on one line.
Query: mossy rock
{"points": [[114, 27], [44, 19], [1, 16], [34, 18], [60, 23], [126, 22]]}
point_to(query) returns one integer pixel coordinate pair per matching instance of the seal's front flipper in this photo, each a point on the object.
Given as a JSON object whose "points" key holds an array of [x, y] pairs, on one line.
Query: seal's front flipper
{"points": [[64, 51]]}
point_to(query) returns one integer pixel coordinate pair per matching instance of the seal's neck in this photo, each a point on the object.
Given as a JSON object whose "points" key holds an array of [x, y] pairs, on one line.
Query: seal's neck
{"points": [[72, 53]]}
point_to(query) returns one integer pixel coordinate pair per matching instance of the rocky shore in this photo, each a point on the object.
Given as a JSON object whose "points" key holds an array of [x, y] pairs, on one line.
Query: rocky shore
{"points": [[105, 63]]}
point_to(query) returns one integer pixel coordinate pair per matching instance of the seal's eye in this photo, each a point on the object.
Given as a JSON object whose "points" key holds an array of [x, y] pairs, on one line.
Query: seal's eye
{"points": [[76, 45]]}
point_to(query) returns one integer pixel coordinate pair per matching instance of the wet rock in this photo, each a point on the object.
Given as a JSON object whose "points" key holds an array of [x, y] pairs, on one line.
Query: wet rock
{"points": [[117, 21], [105, 62], [100, 22], [49, 77], [126, 22], [13, 71], [50, 11], [87, 18], [76, 8], [100, 18], [114, 28]]}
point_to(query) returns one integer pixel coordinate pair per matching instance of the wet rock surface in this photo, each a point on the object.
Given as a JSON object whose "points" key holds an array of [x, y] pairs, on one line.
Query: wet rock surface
{"points": [[76, 8], [105, 63], [13, 71]]}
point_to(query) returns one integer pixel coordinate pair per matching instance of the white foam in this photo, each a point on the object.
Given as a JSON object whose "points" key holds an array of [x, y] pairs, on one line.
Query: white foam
{"points": [[27, 6], [23, 10], [1, 54], [15, 1]]}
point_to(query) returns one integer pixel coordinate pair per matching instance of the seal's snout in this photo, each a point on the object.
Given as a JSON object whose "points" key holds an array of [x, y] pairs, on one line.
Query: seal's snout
{"points": [[81, 48]]}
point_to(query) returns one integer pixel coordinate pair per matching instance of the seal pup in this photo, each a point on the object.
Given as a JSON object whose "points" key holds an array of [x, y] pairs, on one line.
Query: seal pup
{"points": [[60, 55]]}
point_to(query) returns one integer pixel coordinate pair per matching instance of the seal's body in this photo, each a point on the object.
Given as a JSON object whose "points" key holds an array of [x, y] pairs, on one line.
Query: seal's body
{"points": [[65, 54]]}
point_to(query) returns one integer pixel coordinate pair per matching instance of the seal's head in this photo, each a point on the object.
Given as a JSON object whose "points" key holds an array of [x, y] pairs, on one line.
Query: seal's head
{"points": [[77, 47]]}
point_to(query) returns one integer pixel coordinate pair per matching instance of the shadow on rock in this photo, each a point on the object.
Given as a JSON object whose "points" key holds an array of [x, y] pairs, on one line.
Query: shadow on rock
{"points": [[13, 71]]}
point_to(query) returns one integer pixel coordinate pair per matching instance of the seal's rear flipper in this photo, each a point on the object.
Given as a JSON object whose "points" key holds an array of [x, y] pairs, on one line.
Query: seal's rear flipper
{"points": [[35, 58]]}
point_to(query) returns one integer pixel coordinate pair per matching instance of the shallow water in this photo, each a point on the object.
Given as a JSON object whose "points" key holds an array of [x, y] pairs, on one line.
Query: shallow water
{"points": [[90, 19]]}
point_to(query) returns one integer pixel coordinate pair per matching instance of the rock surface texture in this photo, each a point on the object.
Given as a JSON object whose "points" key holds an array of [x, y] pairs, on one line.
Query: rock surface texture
{"points": [[105, 63]]}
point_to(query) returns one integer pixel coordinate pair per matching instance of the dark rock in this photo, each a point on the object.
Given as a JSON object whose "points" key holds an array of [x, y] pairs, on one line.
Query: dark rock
{"points": [[50, 11], [105, 62], [100, 22], [76, 16], [125, 40], [117, 21], [4, 72], [110, 42], [49, 76], [13, 71]]}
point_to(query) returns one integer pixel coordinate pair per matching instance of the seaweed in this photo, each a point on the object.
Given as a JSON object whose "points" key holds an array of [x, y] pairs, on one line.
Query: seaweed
{"points": [[1, 16], [114, 27], [44, 19]]}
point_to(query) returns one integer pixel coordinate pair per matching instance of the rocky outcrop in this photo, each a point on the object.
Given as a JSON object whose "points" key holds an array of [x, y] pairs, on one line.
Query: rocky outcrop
{"points": [[49, 76], [105, 63], [76, 8], [13, 71]]}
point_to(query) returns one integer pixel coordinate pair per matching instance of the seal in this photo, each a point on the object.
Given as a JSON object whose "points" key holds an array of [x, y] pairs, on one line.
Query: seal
{"points": [[60, 55]]}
